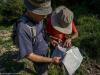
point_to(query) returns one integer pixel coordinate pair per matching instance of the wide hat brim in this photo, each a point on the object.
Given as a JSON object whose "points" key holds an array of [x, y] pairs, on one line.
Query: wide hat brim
{"points": [[38, 10], [57, 26]]}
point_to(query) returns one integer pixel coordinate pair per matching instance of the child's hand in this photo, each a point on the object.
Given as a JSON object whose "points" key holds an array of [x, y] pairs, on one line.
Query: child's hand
{"points": [[67, 43], [54, 43]]}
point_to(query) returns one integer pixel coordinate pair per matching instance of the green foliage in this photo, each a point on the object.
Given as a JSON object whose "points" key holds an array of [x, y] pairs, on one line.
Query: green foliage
{"points": [[89, 28], [11, 9]]}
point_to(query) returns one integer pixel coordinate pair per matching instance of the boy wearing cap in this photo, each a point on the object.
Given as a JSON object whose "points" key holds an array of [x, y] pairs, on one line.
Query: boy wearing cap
{"points": [[35, 48]]}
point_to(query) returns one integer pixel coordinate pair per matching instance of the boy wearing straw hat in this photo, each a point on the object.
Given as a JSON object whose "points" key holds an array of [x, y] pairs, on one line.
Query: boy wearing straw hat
{"points": [[61, 27]]}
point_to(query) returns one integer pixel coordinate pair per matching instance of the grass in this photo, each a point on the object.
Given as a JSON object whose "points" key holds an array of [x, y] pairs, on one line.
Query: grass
{"points": [[88, 26]]}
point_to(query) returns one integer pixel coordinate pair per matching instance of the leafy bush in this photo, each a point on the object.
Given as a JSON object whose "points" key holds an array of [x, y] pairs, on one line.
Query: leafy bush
{"points": [[89, 28], [11, 9]]}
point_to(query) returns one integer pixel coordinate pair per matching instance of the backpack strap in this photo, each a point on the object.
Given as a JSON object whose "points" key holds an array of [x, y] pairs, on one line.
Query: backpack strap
{"points": [[33, 36], [32, 29]]}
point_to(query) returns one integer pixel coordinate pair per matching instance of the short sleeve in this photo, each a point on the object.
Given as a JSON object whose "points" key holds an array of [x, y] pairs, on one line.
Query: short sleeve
{"points": [[25, 43], [74, 30]]}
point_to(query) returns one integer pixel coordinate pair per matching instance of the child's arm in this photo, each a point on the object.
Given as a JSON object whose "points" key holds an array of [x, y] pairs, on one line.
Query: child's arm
{"points": [[74, 35]]}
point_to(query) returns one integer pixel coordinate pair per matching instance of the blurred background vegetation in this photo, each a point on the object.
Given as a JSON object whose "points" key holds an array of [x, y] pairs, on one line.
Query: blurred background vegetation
{"points": [[87, 20]]}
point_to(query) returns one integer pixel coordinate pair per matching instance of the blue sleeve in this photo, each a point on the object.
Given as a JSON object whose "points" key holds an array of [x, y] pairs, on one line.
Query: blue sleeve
{"points": [[25, 43]]}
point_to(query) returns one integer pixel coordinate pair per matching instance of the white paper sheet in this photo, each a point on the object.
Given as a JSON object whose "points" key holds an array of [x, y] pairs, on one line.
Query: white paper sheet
{"points": [[72, 60]]}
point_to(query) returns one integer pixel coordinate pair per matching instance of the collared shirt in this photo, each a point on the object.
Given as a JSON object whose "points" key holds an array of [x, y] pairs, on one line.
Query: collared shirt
{"points": [[25, 39]]}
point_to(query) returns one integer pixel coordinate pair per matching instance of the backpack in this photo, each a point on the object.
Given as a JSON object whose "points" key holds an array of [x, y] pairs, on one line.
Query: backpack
{"points": [[14, 33]]}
